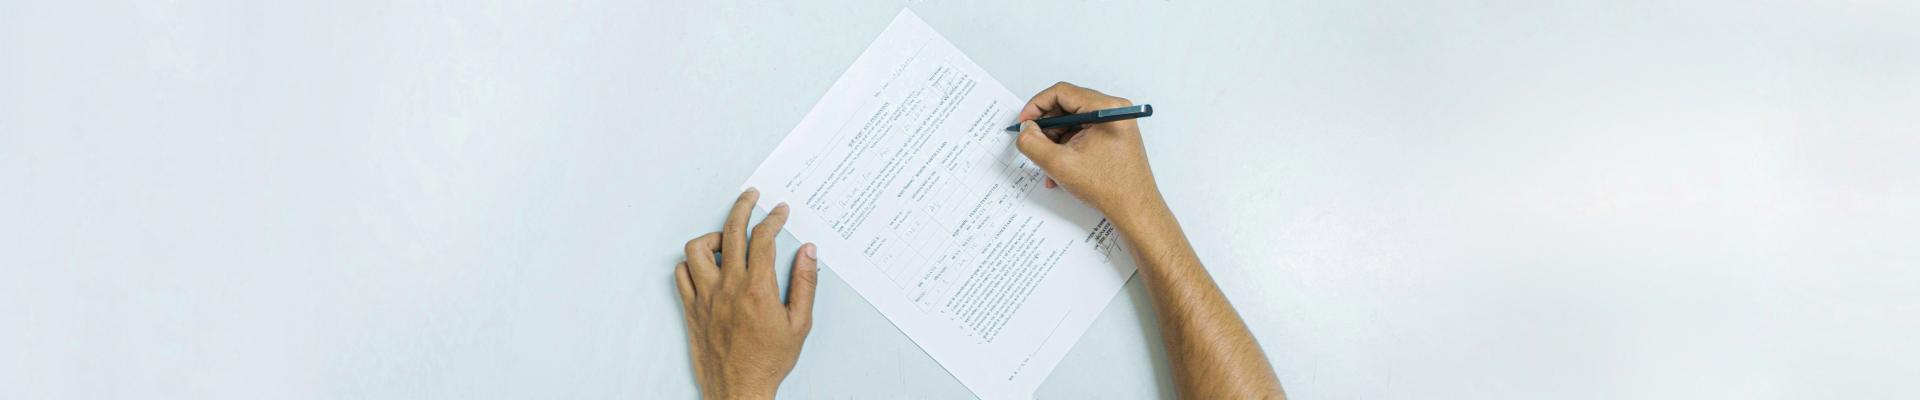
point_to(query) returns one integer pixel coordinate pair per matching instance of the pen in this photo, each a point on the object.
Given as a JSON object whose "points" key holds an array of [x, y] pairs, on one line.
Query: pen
{"points": [[1093, 117]]}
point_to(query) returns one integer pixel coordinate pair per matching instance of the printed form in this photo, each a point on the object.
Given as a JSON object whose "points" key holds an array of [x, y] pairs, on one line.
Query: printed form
{"points": [[905, 178]]}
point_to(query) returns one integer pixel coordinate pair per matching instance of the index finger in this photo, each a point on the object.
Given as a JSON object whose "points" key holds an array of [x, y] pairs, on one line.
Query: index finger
{"points": [[1065, 98], [760, 248]]}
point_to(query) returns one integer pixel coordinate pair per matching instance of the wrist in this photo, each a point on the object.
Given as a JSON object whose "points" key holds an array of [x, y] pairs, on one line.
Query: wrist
{"points": [[1153, 235], [1140, 214], [736, 392], [738, 395]]}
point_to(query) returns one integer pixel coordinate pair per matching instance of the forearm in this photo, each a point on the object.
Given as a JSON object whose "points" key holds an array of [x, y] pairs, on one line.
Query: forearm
{"points": [[1213, 353]]}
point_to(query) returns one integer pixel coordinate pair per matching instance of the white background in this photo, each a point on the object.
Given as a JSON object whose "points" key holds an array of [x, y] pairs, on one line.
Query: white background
{"points": [[1405, 199]]}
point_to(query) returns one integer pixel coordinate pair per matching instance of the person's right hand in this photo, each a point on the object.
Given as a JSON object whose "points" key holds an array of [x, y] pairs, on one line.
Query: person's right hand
{"points": [[1104, 165]]}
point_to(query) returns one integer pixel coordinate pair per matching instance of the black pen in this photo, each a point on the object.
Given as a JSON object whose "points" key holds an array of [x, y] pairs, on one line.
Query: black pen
{"points": [[1094, 117]]}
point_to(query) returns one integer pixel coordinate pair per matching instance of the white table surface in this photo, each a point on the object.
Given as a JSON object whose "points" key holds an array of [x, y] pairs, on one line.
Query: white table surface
{"points": [[1404, 199]]}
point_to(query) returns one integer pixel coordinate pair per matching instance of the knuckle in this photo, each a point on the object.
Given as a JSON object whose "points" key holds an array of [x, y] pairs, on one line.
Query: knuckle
{"points": [[760, 291]]}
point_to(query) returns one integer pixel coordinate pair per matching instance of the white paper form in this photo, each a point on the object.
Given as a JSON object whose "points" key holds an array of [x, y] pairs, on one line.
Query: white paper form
{"points": [[905, 178]]}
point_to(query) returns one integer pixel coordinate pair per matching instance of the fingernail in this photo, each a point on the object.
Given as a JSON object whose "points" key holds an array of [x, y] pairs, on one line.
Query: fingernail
{"points": [[751, 189], [807, 250], [1025, 125], [780, 207]]}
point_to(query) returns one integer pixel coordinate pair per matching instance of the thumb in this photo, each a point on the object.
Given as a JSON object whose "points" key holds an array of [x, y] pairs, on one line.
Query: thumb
{"points": [[800, 286], [1043, 151]]}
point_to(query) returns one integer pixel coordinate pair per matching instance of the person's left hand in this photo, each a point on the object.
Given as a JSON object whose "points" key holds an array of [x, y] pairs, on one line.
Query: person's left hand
{"points": [[744, 341]]}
